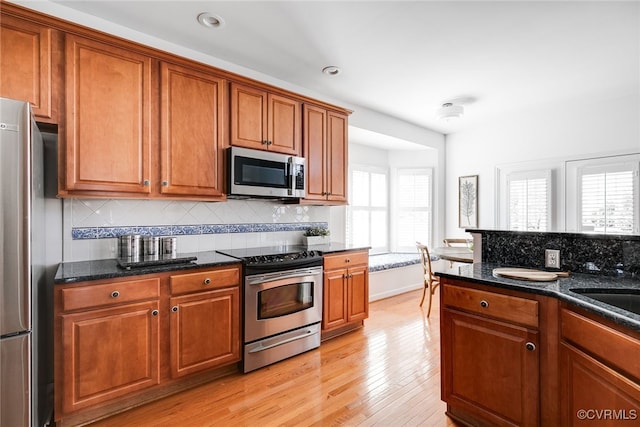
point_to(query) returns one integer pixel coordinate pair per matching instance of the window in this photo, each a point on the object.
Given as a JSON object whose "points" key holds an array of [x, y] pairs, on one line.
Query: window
{"points": [[413, 208], [607, 202], [368, 212], [603, 195], [529, 201]]}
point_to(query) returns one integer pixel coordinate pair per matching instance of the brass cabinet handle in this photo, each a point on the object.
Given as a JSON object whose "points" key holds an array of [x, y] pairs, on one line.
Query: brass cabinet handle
{"points": [[115, 294]]}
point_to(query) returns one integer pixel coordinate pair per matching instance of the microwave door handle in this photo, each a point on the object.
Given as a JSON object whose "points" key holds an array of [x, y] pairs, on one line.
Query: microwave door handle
{"points": [[292, 181]]}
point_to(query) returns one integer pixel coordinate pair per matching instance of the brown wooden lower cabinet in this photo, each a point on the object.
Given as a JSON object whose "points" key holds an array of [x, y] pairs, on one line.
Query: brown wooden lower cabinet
{"points": [[512, 358], [599, 371], [204, 331], [109, 353], [490, 356], [122, 342], [346, 291], [490, 368]]}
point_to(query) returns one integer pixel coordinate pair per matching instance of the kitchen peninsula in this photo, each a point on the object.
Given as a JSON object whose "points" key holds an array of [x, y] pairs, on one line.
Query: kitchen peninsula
{"points": [[553, 340]]}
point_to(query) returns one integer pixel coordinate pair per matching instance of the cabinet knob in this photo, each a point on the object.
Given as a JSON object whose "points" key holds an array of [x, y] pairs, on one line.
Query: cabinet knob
{"points": [[207, 281], [265, 142], [530, 346], [145, 182], [174, 308], [347, 260], [165, 183], [115, 294], [154, 312], [269, 142], [484, 304]]}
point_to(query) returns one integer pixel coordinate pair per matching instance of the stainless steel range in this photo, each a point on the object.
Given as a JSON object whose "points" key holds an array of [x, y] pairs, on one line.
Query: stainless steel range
{"points": [[282, 302]]}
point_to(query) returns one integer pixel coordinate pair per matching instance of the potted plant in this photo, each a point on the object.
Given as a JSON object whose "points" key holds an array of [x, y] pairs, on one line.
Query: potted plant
{"points": [[316, 236]]}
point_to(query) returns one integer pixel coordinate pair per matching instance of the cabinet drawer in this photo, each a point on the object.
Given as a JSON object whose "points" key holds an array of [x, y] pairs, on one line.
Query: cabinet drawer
{"points": [[504, 307], [599, 339], [205, 281], [345, 260], [109, 294]]}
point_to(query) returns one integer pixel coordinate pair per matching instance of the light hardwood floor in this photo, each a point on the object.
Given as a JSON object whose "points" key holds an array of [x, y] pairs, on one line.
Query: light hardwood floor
{"points": [[385, 374]]}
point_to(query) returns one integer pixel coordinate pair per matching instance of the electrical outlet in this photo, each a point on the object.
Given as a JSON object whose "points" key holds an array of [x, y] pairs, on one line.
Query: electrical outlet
{"points": [[552, 258]]}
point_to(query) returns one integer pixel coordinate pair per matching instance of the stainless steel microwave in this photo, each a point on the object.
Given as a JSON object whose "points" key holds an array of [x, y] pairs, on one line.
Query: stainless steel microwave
{"points": [[256, 173]]}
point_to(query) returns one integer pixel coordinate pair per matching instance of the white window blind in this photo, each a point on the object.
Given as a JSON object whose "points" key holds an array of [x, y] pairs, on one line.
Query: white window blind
{"points": [[413, 209], [608, 198], [367, 214], [529, 200]]}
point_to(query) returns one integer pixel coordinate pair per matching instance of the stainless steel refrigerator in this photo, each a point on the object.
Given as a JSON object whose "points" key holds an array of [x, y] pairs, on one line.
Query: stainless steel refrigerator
{"points": [[23, 270]]}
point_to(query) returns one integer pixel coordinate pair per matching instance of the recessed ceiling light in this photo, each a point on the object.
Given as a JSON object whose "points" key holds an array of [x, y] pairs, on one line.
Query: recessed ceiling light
{"points": [[210, 20], [331, 70]]}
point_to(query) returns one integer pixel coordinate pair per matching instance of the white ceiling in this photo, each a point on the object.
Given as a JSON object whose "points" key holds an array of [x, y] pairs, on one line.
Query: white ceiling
{"points": [[405, 58]]}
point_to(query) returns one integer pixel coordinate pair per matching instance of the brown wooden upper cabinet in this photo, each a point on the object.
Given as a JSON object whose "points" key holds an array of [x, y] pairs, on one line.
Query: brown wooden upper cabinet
{"points": [[108, 118], [26, 64], [265, 121], [192, 138], [325, 149]]}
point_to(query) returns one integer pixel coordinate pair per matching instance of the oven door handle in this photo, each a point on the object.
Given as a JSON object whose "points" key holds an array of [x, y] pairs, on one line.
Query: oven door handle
{"points": [[304, 334], [269, 277]]}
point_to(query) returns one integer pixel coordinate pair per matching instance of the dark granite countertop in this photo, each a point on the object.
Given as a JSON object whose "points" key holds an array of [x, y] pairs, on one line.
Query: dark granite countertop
{"points": [[80, 271], [561, 288]]}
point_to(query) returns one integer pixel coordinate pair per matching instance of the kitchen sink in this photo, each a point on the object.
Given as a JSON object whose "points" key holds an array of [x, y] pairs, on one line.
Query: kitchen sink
{"points": [[626, 299]]}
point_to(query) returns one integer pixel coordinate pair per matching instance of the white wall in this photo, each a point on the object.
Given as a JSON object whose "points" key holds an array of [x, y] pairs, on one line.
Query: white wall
{"points": [[581, 129]]}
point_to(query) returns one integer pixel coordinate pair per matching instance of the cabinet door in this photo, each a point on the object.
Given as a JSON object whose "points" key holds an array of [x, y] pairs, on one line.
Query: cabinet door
{"points": [[488, 371], [248, 117], [592, 393], [26, 64], [108, 353], [108, 113], [334, 299], [358, 293], [336, 162], [192, 139], [205, 331], [284, 125], [315, 140]]}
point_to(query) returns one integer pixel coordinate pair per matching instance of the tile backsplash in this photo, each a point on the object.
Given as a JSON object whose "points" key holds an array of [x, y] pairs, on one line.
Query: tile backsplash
{"points": [[91, 226]]}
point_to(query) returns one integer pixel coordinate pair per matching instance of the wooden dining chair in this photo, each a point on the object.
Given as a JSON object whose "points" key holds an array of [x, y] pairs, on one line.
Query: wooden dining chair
{"points": [[449, 243], [457, 242], [431, 281]]}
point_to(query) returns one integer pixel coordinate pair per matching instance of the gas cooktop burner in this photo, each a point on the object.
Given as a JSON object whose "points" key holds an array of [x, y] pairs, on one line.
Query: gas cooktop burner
{"points": [[267, 259], [287, 255]]}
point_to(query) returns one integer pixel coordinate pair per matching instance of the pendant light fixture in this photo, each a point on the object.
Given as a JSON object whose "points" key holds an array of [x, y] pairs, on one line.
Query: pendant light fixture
{"points": [[450, 112]]}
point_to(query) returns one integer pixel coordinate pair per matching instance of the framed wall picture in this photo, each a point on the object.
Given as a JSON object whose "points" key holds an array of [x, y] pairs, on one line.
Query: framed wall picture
{"points": [[468, 201]]}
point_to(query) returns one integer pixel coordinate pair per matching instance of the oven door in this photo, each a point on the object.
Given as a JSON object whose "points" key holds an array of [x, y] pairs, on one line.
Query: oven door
{"points": [[280, 302]]}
